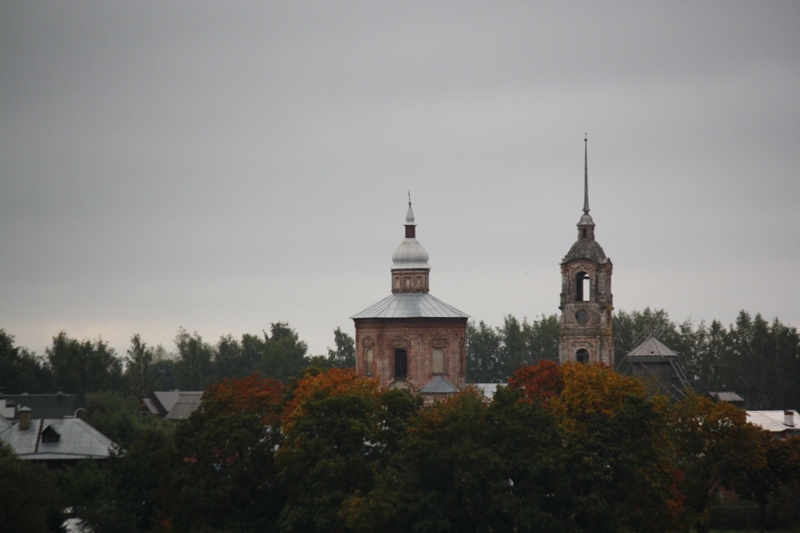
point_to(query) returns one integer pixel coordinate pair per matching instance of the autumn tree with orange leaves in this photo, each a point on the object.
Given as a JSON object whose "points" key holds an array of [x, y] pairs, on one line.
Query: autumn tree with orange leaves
{"points": [[338, 425], [225, 475], [618, 456]]}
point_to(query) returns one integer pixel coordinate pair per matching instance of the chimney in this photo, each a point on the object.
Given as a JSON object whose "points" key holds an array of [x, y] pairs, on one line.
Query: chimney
{"points": [[24, 418], [788, 418]]}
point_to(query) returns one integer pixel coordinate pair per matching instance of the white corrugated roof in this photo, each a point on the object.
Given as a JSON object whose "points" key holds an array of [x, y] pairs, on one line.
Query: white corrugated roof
{"points": [[77, 440], [773, 420], [410, 305]]}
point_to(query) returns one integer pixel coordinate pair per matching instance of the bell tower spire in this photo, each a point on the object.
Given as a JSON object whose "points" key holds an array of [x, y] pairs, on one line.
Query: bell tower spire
{"points": [[585, 174], [586, 300]]}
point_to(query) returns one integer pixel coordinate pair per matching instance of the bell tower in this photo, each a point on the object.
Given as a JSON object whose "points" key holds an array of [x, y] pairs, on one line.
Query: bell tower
{"points": [[586, 299]]}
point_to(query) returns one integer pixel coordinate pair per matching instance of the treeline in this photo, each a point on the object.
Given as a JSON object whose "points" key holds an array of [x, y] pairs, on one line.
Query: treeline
{"points": [[573, 448], [757, 359], [82, 367]]}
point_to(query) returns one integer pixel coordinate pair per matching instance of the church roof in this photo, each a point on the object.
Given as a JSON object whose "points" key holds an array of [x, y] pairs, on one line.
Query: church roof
{"points": [[652, 346], [410, 305], [439, 385], [586, 249]]}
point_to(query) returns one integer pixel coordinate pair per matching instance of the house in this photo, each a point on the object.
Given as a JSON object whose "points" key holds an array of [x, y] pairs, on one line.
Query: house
{"points": [[55, 440], [782, 423], [173, 405]]}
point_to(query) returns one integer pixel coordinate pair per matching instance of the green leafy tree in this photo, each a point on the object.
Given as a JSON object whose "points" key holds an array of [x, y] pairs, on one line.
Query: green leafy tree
{"points": [[618, 454], [29, 496], [494, 354], [329, 429], [138, 367], [83, 367], [193, 367], [284, 354], [20, 371], [465, 465], [715, 447], [485, 363], [225, 478], [116, 416], [780, 470], [230, 361], [344, 356]]}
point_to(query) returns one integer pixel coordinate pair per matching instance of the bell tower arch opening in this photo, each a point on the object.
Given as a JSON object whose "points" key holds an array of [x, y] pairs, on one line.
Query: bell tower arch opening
{"points": [[583, 287]]}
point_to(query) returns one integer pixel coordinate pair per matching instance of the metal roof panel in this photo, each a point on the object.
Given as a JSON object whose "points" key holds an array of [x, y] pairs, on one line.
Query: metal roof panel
{"points": [[410, 305]]}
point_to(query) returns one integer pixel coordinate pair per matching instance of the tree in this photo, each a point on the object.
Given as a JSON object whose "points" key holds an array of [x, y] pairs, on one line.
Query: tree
{"points": [[484, 357], [137, 367], [284, 353], [20, 371], [29, 496], [618, 456], [493, 354], [780, 469], [225, 476], [329, 428], [466, 465], [344, 356], [229, 362], [715, 447], [83, 367], [193, 368]]}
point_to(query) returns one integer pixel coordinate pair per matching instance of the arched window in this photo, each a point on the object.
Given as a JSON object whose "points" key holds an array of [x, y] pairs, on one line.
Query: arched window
{"points": [[437, 361], [582, 356], [583, 287], [369, 362], [400, 364]]}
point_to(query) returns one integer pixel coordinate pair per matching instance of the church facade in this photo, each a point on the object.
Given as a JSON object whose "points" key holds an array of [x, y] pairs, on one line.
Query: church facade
{"points": [[411, 339], [586, 334]]}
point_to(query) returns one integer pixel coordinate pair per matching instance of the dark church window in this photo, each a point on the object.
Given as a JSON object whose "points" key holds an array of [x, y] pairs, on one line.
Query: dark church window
{"points": [[582, 356], [400, 364], [583, 287]]}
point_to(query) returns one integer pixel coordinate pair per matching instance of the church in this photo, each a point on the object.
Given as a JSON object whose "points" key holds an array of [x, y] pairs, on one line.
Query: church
{"points": [[411, 339]]}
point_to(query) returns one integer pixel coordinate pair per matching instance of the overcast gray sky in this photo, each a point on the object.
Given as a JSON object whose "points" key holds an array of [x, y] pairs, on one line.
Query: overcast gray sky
{"points": [[219, 166]]}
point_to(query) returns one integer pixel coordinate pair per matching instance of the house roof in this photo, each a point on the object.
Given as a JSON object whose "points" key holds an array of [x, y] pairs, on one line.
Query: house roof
{"points": [[44, 405], [167, 399], [773, 421], [187, 403], [652, 346], [730, 397], [75, 439], [439, 385], [410, 305]]}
